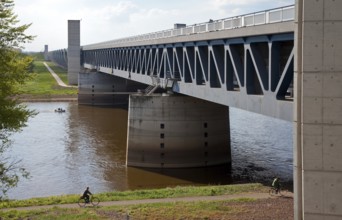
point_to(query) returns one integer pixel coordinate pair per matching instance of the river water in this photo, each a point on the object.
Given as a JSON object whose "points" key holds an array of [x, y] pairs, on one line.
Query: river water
{"points": [[86, 146]]}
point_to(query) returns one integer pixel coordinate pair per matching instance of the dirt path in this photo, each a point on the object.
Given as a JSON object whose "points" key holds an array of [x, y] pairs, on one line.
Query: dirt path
{"points": [[165, 200], [59, 81]]}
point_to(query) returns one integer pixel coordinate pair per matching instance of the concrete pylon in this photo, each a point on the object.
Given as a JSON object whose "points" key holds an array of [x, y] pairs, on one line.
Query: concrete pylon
{"points": [[318, 110], [171, 131], [46, 52], [74, 51]]}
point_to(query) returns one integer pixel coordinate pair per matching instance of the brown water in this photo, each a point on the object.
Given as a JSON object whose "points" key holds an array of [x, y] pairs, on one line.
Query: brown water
{"points": [[86, 146]]}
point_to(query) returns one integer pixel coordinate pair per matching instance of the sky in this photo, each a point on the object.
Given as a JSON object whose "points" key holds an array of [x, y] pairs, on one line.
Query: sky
{"points": [[103, 20]]}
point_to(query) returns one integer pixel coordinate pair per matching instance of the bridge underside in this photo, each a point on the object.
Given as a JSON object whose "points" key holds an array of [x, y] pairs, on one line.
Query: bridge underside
{"points": [[251, 73]]}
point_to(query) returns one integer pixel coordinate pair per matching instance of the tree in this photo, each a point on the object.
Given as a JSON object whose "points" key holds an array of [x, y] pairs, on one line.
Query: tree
{"points": [[14, 71]]}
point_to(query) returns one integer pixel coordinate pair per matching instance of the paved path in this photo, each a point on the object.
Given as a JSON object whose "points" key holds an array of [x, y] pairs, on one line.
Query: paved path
{"points": [[148, 201], [59, 81]]}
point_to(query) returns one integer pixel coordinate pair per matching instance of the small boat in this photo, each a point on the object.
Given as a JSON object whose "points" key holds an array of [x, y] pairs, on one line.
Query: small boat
{"points": [[60, 110]]}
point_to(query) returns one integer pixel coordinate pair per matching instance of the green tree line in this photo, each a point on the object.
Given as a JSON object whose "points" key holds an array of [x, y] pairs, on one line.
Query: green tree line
{"points": [[14, 71]]}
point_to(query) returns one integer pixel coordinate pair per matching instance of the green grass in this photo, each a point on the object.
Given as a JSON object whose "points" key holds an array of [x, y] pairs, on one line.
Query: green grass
{"points": [[166, 210], [43, 84], [53, 213], [182, 210], [183, 191]]}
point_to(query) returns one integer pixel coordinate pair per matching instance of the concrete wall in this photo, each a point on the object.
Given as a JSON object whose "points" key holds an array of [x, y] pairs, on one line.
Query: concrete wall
{"points": [[74, 51], [318, 115], [177, 131]]}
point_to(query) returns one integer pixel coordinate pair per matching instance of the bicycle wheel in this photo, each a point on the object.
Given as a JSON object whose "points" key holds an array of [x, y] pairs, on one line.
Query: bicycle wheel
{"points": [[95, 201], [272, 191], [82, 202], [280, 193]]}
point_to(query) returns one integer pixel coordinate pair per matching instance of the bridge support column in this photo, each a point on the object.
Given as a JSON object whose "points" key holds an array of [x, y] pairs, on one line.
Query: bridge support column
{"points": [[74, 51], [46, 52], [176, 132], [96, 88], [318, 110]]}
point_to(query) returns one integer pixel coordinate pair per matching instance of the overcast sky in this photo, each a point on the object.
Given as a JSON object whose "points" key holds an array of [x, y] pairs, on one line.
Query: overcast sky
{"points": [[103, 20]]}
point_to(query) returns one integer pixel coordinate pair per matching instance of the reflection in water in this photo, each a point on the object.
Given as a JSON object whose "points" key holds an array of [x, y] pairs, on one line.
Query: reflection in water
{"points": [[86, 146], [142, 178]]}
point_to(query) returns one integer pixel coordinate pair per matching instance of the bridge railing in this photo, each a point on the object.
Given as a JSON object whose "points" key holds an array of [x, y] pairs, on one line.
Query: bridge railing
{"points": [[282, 14]]}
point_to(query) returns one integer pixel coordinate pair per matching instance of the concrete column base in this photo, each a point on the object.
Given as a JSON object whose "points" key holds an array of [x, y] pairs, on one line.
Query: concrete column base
{"points": [[169, 131]]}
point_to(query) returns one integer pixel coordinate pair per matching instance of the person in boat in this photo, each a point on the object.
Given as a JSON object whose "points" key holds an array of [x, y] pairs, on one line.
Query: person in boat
{"points": [[59, 110]]}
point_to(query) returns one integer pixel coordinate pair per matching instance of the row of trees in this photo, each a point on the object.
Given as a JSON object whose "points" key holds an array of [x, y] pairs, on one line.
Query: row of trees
{"points": [[14, 71]]}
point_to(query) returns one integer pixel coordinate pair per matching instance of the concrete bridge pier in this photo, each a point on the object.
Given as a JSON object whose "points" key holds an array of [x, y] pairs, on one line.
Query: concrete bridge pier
{"points": [[96, 88], [318, 110], [172, 131]]}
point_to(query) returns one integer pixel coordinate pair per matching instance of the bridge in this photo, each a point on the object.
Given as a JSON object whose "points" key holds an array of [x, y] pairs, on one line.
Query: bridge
{"points": [[283, 63]]}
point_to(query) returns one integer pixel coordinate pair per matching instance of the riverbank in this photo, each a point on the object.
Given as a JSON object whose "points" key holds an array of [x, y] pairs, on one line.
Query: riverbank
{"points": [[44, 87], [246, 201], [238, 207], [47, 98]]}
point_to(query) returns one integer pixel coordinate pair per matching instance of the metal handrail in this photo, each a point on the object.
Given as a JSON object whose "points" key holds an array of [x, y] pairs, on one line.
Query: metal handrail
{"points": [[281, 14]]}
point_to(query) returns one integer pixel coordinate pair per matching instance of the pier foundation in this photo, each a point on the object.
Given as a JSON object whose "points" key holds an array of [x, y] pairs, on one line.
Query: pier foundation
{"points": [[170, 131]]}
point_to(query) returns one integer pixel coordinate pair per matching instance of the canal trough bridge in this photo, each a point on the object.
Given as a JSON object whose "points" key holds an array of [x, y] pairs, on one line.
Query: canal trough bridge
{"points": [[283, 63]]}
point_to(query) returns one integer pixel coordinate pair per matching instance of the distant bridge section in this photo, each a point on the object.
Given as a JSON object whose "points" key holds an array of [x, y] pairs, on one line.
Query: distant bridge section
{"points": [[59, 57]]}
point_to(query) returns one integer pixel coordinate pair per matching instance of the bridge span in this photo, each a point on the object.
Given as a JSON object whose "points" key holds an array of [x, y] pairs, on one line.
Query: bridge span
{"points": [[221, 61], [284, 63]]}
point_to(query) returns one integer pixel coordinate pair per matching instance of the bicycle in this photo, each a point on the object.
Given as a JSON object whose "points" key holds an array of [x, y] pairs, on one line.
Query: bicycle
{"points": [[273, 192], [92, 200]]}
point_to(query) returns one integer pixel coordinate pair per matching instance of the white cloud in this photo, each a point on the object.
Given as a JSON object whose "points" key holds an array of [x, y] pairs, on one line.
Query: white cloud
{"points": [[108, 12], [112, 19], [153, 19]]}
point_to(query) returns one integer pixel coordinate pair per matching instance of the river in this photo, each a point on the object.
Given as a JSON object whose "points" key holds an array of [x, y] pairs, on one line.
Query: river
{"points": [[86, 146]]}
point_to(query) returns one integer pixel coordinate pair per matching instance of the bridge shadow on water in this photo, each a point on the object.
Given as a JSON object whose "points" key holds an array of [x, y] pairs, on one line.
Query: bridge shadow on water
{"points": [[158, 178]]}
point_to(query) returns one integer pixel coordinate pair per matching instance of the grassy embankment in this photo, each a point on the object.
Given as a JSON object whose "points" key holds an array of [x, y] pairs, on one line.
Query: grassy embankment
{"points": [[150, 211], [44, 86]]}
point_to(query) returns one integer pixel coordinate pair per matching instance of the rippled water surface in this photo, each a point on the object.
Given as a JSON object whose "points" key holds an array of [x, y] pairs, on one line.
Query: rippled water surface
{"points": [[86, 146]]}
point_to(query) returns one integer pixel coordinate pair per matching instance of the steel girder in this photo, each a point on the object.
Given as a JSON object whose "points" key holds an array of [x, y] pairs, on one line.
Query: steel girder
{"points": [[216, 70], [260, 66]]}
